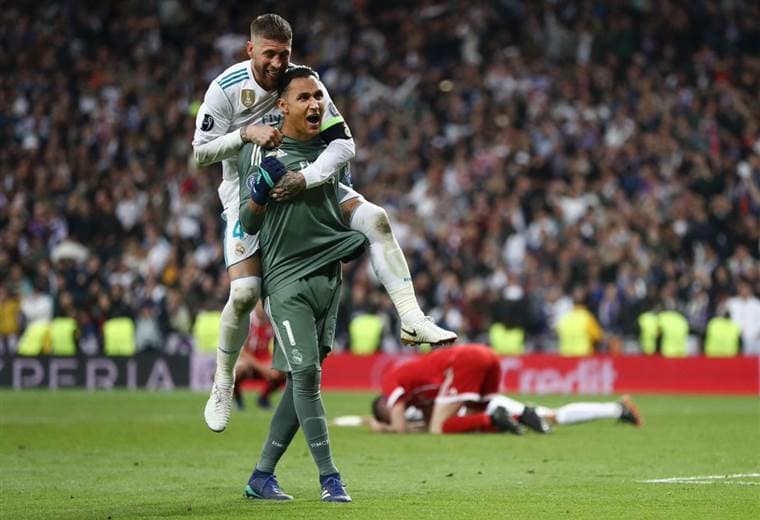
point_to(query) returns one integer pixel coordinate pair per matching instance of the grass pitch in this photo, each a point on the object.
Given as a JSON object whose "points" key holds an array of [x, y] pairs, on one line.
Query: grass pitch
{"points": [[118, 455]]}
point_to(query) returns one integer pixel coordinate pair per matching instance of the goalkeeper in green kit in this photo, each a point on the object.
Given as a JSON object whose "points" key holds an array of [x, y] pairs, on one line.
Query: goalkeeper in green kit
{"points": [[302, 243]]}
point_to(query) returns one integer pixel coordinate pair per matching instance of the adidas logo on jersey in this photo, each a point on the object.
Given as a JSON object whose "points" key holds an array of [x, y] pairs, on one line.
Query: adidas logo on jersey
{"points": [[276, 154]]}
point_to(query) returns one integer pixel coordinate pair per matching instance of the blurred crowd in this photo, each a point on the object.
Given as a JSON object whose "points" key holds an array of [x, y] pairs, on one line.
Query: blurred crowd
{"points": [[527, 153]]}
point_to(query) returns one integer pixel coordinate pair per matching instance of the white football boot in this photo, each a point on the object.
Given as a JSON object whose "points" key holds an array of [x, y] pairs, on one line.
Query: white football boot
{"points": [[425, 331], [218, 407]]}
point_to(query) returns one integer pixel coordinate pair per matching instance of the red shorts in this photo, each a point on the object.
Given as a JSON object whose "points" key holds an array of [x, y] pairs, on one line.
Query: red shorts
{"points": [[474, 375]]}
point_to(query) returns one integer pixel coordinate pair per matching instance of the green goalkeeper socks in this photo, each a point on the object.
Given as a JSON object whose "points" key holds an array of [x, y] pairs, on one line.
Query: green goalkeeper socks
{"points": [[301, 403], [283, 427], [311, 415]]}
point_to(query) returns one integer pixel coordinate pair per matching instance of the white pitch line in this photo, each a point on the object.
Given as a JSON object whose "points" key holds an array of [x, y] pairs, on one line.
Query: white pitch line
{"points": [[726, 482], [706, 479]]}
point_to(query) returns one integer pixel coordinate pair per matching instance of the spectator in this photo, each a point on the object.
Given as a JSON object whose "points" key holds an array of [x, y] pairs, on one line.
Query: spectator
{"points": [[744, 310], [578, 330], [147, 331], [10, 320], [38, 304]]}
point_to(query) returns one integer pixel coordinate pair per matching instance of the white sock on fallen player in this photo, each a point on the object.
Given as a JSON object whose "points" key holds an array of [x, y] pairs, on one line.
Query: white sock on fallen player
{"points": [[514, 408], [580, 412], [387, 259]]}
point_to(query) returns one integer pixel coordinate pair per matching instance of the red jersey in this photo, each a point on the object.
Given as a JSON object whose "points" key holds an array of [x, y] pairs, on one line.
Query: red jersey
{"points": [[461, 373], [259, 336]]}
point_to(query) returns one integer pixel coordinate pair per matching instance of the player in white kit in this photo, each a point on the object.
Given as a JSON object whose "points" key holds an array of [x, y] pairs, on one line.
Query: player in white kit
{"points": [[240, 107]]}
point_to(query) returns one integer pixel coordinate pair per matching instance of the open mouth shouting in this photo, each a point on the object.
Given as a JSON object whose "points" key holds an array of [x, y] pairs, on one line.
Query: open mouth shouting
{"points": [[312, 120]]}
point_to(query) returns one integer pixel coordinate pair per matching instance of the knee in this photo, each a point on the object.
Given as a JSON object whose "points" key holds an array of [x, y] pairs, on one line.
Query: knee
{"points": [[378, 219], [243, 298], [372, 221], [306, 382]]}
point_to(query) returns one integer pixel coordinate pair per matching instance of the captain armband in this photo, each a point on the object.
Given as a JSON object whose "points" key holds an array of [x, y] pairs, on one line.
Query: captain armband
{"points": [[337, 131]]}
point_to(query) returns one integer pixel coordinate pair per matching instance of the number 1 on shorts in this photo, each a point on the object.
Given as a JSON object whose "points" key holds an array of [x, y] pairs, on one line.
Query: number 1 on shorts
{"points": [[289, 331]]}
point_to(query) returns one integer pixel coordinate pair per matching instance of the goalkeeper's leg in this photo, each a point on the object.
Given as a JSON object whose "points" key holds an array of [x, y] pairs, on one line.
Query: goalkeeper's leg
{"points": [[283, 427], [263, 484], [311, 415], [391, 269]]}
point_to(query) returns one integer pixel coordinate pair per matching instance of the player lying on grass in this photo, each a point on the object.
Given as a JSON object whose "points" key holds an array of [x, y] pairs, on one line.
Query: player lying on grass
{"points": [[455, 390], [538, 418], [255, 361], [302, 241], [441, 383]]}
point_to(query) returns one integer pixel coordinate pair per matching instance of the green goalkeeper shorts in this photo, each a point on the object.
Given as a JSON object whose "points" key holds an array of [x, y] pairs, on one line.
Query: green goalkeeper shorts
{"points": [[303, 316]]}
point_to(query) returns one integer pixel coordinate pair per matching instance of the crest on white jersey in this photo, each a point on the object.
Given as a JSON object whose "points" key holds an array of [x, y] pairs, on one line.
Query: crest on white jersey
{"points": [[208, 122], [247, 97]]}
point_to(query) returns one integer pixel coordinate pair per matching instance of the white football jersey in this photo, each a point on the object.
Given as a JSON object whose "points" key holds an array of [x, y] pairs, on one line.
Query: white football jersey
{"points": [[234, 99]]}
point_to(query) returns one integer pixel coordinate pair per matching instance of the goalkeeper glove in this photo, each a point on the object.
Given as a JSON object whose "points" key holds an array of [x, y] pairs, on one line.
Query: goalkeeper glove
{"points": [[270, 171]]}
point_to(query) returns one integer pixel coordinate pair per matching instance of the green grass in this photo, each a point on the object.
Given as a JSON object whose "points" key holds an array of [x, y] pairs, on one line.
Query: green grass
{"points": [[73, 454]]}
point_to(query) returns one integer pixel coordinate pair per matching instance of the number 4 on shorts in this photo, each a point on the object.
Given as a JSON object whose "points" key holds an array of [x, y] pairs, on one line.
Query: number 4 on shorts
{"points": [[237, 231]]}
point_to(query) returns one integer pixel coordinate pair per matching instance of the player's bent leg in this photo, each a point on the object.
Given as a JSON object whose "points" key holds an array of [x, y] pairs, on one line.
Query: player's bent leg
{"points": [[442, 413], [478, 422], [390, 266], [245, 287]]}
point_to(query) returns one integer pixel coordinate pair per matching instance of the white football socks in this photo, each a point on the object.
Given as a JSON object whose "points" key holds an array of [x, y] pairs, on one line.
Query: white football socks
{"points": [[387, 259], [580, 412], [234, 327], [514, 408], [568, 414]]}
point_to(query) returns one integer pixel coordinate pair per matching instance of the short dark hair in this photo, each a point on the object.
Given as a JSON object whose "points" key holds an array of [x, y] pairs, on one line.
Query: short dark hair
{"points": [[301, 71], [379, 410], [271, 27]]}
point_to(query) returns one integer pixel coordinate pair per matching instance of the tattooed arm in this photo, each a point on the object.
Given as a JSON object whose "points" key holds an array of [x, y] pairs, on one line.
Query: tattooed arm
{"points": [[290, 185]]}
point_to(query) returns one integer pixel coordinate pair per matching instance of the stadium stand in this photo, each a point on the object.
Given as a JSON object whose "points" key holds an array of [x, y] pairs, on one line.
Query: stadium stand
{"points": [[522, 149]]}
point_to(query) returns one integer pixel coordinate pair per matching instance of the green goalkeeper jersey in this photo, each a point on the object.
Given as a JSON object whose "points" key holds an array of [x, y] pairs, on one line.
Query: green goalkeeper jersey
{"points": [[302, 235]]}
